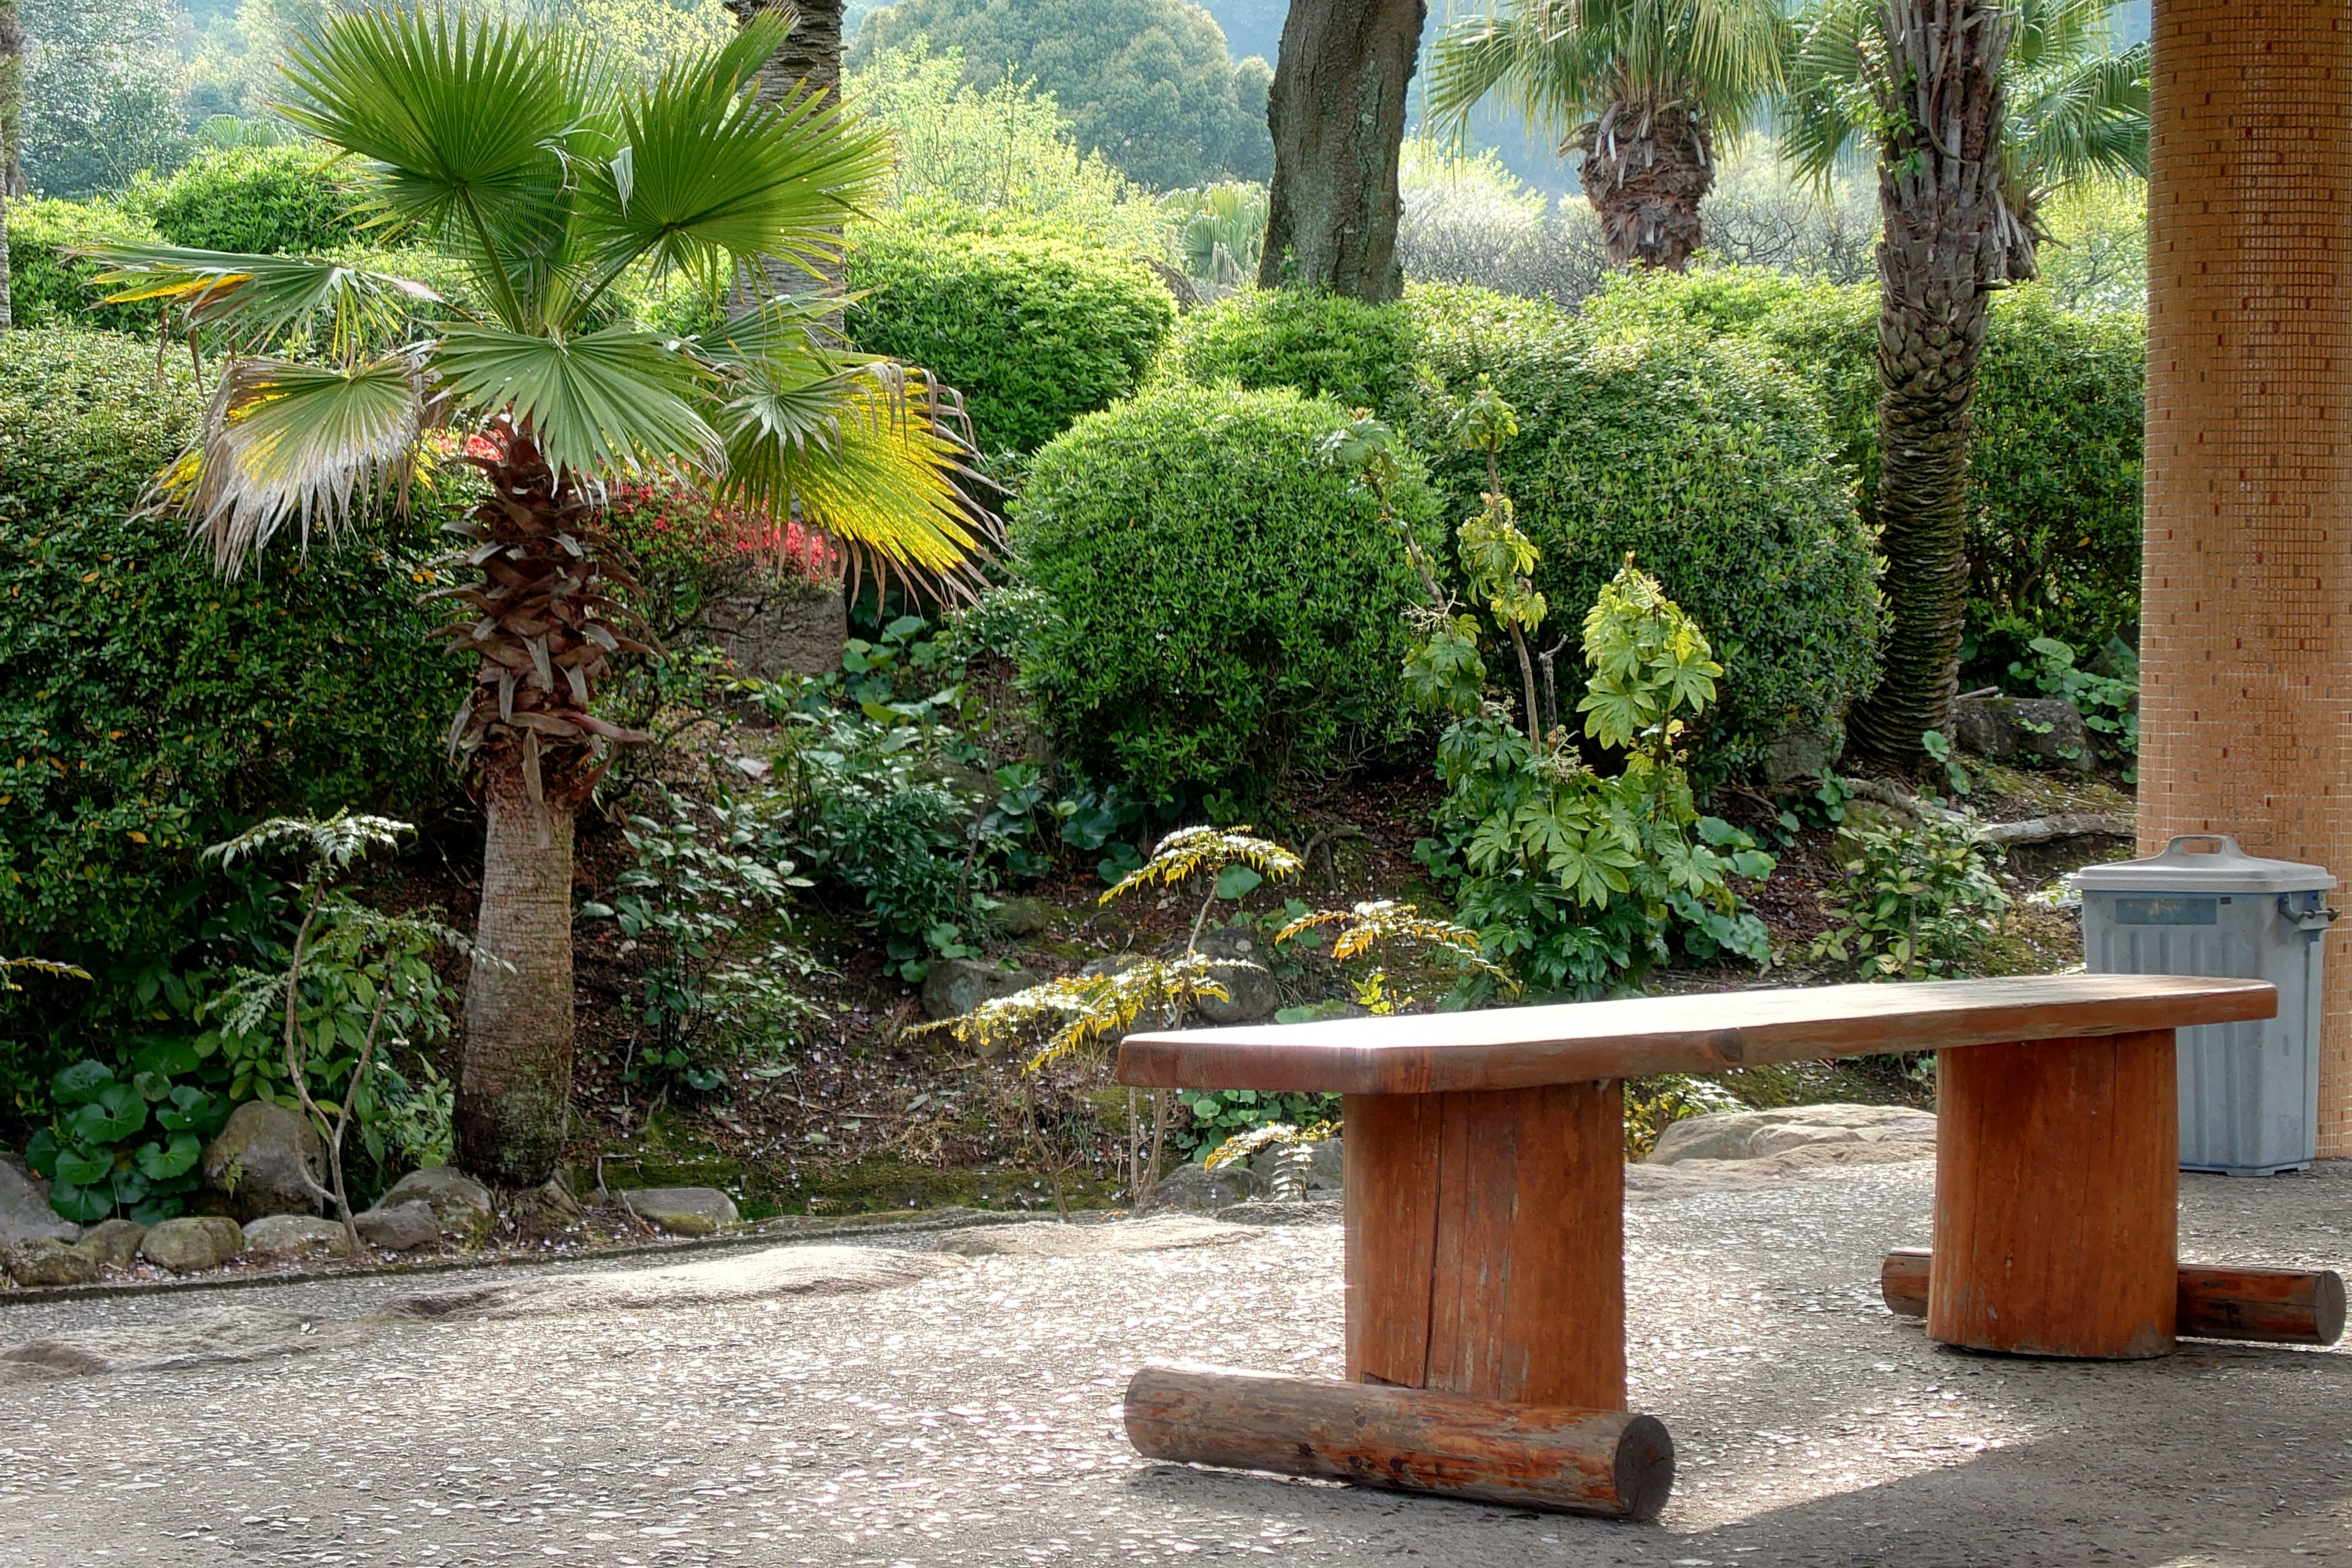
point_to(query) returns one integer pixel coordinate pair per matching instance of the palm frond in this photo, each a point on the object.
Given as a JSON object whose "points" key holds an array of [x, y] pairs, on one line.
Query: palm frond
{"points": [[2080, 118], [333, 842], [1559, 63], [1828, 99], [1188, 851], [286, 440], [707, 180], [267, 301], [861, 453], [1385, 921], [467, 129], [39, 966], [613, 401]]}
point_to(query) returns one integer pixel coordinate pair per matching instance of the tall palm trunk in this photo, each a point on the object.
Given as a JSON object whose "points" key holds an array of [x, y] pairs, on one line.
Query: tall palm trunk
{"points": [[541, 623], [1946, 240], [811, 54], [1645, 170], [1337, 112]]}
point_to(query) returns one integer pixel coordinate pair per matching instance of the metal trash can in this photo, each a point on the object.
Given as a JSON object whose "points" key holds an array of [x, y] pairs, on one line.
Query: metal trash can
{"points": [[2249, 1092]]}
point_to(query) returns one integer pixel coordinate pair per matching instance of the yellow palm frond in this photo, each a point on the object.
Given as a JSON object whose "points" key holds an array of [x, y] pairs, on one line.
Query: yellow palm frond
{"points": [[1188, 851], [1079, 1012], [1242, 1145], [1385, 921]]}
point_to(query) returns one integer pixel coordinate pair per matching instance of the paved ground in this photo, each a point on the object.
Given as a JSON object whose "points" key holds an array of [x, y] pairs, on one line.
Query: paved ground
{"points": [[855, 1406]]}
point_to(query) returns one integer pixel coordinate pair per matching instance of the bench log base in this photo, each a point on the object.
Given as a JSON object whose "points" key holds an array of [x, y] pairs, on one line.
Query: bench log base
{"points": [[2269, 1306], [2057, 1192], [1568, 1460]]}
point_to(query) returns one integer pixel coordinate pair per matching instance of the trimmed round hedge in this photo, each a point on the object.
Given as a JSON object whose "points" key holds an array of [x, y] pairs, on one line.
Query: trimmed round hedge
{"points": [[1034, 331], [1708, 460], [1225, 610], [291, 199]]}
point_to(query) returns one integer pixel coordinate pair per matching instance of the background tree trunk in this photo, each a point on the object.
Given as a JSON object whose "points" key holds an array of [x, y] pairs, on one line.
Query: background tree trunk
{"points": [[12, 117], [515, 1077], [1946, 237], [1645, 170], [811, 54], [1337, 111]]}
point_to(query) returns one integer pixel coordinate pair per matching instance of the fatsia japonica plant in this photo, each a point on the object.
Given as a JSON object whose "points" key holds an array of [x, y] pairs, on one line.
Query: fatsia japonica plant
{"points": [[554, 177], [1576, 879]]}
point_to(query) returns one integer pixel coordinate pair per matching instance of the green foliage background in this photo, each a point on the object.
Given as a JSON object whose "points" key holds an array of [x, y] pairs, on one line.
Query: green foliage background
{"points": [[1146, 83], [1226, 611], [290, 199], [1034, 329], [148, 708]]}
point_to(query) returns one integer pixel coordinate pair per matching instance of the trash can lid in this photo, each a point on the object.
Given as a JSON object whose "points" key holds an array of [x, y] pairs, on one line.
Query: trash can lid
{"points": [[2216, 865]]}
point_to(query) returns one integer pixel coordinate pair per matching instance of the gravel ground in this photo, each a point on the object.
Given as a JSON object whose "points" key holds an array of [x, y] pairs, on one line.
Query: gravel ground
{"points": [[865, 1406]]}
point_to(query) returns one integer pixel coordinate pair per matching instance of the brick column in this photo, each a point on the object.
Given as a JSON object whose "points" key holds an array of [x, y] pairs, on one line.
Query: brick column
{"points": [[2246, 628]]}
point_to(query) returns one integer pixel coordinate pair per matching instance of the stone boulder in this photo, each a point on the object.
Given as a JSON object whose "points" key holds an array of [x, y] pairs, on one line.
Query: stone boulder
{"points": [[1800, 1135], [956, 985], [399, 1227], [681, 1211], [25, 1211], [46, 1261], [1250, 989], [279, 1237], [1021, 917], [771, 627], [543, 1213], [2044, 729], [193, 1244], [463, 1206], [256, 1163], [114, 1243], [1194, 1186]]}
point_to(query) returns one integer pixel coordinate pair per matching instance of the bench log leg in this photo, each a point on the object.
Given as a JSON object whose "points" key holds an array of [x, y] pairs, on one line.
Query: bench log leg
{"points": [[1486, 1243], [2057, 1187]]}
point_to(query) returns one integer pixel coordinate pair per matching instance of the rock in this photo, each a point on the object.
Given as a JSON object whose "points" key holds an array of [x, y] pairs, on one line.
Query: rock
{"points": [[1838, 1134], [193, 1244], [1249, 985], [1022, 917], [462, 1205], [401, 1227], [46, 1261], [543, 1213], [956, 985], [772, 628], [284, 1236], [681, 1211], [25, 1211], [256, 1161], [1802, 757], [113, 1243], [1325, 1170], [1195, 1186], [2048, 730]]}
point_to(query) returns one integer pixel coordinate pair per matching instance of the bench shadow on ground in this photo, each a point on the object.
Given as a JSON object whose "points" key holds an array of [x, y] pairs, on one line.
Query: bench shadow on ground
{"points": [[2145, 1475]]}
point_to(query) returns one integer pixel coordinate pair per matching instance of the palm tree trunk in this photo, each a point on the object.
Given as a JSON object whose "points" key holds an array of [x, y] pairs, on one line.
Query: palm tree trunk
{"points": [[1645, 170], [1337, 111], [538, 616], [1944, 249], [811, 54], [514, 1094]]}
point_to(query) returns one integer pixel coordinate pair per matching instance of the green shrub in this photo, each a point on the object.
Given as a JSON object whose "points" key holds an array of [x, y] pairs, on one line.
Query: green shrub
{"points": [[2054, 479], [148, 708], [1225, 610], [1033, 330], [1707, 461], [48, 288], [285, 200], [1324, 345]]}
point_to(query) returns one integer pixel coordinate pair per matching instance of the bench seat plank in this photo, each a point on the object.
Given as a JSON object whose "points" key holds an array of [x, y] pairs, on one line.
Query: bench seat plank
{"points": [[1527, 1047]]}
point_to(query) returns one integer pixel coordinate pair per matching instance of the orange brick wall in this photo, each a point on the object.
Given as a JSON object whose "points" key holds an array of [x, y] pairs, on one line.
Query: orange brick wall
{"points": [[2246, 631]]}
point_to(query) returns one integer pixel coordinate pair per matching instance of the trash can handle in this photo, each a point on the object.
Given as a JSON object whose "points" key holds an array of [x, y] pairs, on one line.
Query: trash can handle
{"points": [[2229, 846]]}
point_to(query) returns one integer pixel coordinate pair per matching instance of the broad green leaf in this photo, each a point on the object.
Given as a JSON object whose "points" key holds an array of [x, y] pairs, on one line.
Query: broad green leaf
{"points": [[608, 402], [83, 1082], [118, 1112], [83, 1204], [1238, 882], [79, 1166], [160, 1162]]}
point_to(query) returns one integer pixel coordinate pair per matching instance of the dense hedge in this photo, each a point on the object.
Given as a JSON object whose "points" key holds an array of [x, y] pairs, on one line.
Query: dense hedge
{"points": [[1324, 345], [147, 707], [50, 288], [291, 199], [1226, 610], [2054, 479], [1034, 331], [1708, 460]]}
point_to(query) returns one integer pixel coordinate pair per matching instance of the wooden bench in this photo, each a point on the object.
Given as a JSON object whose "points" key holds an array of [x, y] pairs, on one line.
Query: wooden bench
{"points": [[1484, 1210]]}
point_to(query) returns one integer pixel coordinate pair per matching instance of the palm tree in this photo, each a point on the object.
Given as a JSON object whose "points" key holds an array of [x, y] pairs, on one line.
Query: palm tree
{"points": [[553, 178], [809, 61], [1644, 90], [1978, 111]]}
